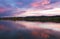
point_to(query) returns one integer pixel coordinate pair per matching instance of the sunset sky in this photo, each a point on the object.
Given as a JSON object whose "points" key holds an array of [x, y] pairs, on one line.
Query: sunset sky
{"points": [[22, 8]]}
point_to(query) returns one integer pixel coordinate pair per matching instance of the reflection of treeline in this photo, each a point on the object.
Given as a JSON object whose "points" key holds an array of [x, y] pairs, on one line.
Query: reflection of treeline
{"points": [[35, 18]]}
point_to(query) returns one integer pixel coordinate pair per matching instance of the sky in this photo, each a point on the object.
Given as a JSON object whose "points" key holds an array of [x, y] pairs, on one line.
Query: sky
{"points": [[22, 8]]}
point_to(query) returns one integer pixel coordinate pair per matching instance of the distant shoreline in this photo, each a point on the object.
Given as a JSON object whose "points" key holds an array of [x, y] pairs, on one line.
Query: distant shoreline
{"points": [[34, 18]]}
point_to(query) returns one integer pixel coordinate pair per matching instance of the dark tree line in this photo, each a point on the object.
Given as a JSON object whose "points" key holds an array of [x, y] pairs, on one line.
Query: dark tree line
{"points": [[34, 18]]}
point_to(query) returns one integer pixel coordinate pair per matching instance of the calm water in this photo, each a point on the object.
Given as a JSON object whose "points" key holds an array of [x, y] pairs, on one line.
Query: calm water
{"points": [[29, 30]]}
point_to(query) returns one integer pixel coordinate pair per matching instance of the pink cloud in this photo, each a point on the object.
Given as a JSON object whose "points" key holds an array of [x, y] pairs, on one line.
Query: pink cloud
{"points": [[40, 3], [35, 4], [38, 8], [2, 10], [18, 11], [44, 2]]}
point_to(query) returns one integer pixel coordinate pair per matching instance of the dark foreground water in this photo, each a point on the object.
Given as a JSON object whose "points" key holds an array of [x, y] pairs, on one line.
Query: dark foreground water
{"points": [[29, 30]]}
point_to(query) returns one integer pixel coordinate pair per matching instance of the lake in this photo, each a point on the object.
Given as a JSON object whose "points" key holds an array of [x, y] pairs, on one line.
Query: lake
{"points": [[29, 30]]}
